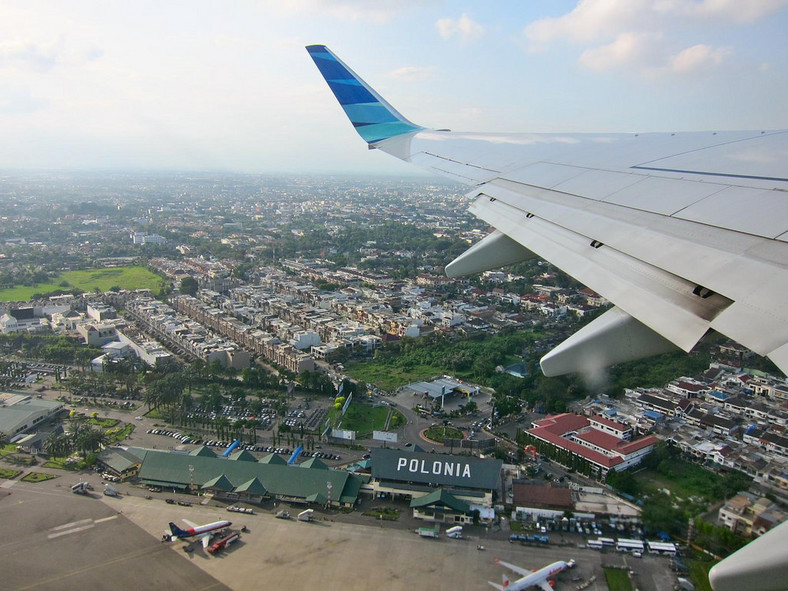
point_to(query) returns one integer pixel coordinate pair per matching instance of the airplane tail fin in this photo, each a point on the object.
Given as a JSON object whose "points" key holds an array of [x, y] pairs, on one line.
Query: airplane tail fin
{"points": [[374, 118], [506, 581], [176, 531]]}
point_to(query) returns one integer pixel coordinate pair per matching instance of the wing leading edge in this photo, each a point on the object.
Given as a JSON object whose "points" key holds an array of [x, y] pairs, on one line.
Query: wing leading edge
{"points": [[685, 233]]}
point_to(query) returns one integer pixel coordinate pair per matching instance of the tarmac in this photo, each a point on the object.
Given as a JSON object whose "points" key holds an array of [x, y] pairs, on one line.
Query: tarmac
{"points": [[57, 540]]}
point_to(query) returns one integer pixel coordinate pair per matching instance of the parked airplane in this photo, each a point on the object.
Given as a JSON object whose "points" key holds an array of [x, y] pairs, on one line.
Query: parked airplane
{"points": [[538, 578], [685, 233], [204, 532]]}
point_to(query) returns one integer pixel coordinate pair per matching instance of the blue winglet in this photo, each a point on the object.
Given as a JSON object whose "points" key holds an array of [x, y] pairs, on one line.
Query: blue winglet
{"points": [[374, 119]]}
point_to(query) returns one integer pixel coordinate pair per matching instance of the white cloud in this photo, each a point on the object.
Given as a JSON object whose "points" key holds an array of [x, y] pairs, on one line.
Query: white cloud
{"points": [[412, 73], [648, 36], [594, 20], [736, 11], [377, 11], [464, 27], [35, 55], [628, 49], [698, 58]]}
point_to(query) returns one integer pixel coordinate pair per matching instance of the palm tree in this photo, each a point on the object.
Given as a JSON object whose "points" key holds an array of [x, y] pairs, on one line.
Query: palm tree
{"points": [[221, 424], [58, 445], [88, 439]]}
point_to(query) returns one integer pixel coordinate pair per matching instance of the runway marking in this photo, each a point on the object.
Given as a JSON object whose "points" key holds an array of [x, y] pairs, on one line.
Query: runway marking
{"points": [[77, 526], [70, 531], [72, 524]]}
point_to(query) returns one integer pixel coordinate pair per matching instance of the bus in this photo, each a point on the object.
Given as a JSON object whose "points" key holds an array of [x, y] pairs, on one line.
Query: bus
{"points": [[594, 544], [627, 545], [661, 547], [607, 542]]}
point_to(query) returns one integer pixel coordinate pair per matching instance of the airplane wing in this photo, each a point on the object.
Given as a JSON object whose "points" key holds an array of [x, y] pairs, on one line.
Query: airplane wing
{"points": [[523, 572], [206, 540], [190, 523], [685, 233], [546, 586]]}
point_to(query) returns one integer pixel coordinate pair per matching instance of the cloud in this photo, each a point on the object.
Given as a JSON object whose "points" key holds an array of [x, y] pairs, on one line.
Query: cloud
{"points": [[698, 58], [19, 103], [40, 57], [412, 73], [464, 27], [595, 20], [645, 36], [628, 49], [376, 11], [735, 11], [648, 54]]}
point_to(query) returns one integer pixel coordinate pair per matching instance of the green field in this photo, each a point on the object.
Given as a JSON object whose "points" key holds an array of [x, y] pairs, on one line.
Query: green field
{"points": [[90, 280], [390, 378], [440, 434], [617, 580], [363, 419]]}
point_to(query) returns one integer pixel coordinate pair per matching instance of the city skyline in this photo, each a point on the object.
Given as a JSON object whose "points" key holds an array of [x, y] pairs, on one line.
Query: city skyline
{"points": [[203, 86]]}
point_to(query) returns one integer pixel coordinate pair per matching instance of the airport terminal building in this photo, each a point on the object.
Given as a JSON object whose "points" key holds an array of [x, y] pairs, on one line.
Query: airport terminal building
{"points": [[439, 486], [241, 477]]}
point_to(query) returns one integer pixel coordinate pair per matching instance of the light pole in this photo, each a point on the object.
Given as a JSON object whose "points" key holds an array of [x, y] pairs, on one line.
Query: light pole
{"points": [[328, 488]]}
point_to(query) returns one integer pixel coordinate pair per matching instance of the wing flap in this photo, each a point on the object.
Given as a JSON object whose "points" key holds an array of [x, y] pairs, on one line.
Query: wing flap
{"points": [[491, 252], [662, 301], [612, 338]]}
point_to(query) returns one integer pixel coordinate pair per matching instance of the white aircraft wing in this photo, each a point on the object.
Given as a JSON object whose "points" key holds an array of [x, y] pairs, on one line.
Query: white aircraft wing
{"points": [[685, 233], [523, 572], [546, 586], [190, 523], [206, 540]]}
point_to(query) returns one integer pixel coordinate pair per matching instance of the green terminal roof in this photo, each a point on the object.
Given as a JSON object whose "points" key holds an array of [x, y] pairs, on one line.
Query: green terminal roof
{"points": [[441, 499], [221, 482], [243, 456], [313, 463], [276, 476], [274, 459], [202, 451], [253, 486]]}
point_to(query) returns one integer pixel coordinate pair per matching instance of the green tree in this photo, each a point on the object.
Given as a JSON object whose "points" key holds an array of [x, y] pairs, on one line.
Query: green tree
{"points": [[189, 286]]}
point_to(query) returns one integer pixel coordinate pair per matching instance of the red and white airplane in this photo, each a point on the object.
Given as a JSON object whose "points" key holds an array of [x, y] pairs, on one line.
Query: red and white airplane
{"points": [[538, 578], [203, 531]]}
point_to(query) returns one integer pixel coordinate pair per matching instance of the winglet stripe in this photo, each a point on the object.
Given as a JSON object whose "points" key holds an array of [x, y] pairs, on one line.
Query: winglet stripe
{"points": [[373, 118]]}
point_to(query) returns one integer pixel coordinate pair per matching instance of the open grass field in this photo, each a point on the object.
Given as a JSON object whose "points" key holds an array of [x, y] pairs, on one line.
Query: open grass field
{"points": [[617, 580], [391, 378], [89, 280], [364, 419]]}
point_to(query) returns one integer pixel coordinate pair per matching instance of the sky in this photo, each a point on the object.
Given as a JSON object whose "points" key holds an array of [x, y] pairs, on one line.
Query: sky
{"points": [[228, 86]]}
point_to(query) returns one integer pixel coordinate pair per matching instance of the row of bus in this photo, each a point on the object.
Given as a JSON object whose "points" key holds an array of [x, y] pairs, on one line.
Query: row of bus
{"points": [[632, 545]]}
